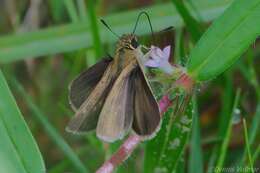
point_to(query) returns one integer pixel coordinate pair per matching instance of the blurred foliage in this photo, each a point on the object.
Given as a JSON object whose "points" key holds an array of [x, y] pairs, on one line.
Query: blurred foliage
{"points": [[45, 44]]}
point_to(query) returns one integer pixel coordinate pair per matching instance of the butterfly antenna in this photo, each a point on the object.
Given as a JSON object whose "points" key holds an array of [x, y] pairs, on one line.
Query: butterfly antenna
{"points": [[106, 25], [137, 20], [167, 29]]}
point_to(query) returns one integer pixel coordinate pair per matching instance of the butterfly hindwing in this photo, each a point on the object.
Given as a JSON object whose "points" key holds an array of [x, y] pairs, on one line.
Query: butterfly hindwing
{"points": [[146, 110]]}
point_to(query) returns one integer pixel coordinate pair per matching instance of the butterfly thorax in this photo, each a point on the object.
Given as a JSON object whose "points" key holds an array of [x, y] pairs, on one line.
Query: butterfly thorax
{"points": [[127, 51], [125, 41]]}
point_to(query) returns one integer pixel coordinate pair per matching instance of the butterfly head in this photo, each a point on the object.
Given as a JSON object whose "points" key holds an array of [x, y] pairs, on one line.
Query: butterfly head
{"points": [[128, 41]]}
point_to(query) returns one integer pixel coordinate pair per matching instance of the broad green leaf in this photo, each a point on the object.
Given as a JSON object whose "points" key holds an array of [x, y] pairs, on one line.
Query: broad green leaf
{"points": [[76, 36], [50, 130], [19, 152], [226, 39], [162, 153]]}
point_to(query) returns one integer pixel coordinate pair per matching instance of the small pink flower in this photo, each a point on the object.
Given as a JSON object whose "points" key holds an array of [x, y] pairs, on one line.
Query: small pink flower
{"points": [[159, 59]]}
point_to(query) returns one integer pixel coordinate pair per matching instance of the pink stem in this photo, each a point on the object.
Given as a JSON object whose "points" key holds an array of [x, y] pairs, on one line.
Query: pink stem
{"points": [[185, 81], [130, 144]]}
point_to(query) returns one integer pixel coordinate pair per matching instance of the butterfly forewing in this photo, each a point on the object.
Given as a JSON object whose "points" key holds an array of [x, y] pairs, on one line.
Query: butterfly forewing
{"points": [[117, 113], [84, 84], [87, 115]]}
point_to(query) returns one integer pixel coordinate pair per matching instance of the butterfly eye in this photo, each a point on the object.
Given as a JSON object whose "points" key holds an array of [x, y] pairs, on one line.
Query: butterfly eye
{"points": [[134, 43]]}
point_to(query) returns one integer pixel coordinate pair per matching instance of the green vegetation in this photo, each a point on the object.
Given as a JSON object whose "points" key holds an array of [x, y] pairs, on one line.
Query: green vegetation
{"points": [[214, 40]]}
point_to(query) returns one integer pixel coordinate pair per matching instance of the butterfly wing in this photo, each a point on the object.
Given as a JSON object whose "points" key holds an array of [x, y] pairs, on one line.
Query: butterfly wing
{"points": [[81, 87], [146, 110], [117, 113], [86, 116]]}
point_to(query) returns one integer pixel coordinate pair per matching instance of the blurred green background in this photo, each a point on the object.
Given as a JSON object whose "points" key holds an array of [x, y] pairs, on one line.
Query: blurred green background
{"points": [[44, 44]]}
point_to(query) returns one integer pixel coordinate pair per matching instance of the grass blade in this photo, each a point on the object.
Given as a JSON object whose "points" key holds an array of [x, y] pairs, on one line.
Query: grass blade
{"points": [[51, 131], [225, 116], [192, 25], [18, 152], [224, 40], [224, 145], [94, 28], [226, 105], [57, 10], [253, 130], [71, 8], [248, 147], [195, 159], [250, 76], [256, 154], [76, 36], [82, 10]]}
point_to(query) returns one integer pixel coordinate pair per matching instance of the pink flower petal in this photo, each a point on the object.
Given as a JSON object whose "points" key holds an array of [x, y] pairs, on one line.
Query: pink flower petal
{"points": [[156, 52], [167, 51], [153, 54], [159, 58], [151, 63], [159, 52]]}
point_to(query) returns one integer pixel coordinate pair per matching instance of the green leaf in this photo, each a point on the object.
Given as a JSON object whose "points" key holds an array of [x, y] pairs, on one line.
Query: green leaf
{"points": [[94, 27], [57, 10], [256, 154], [71, 8], [18, 150], [226, 104], [224, 119], [195, 156], [226, 39], [254, 129], [51, 131], [224, 145], [82, 10], [249, 74], [162, 153], [192, 25], [248, 147], [77, 36]]}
